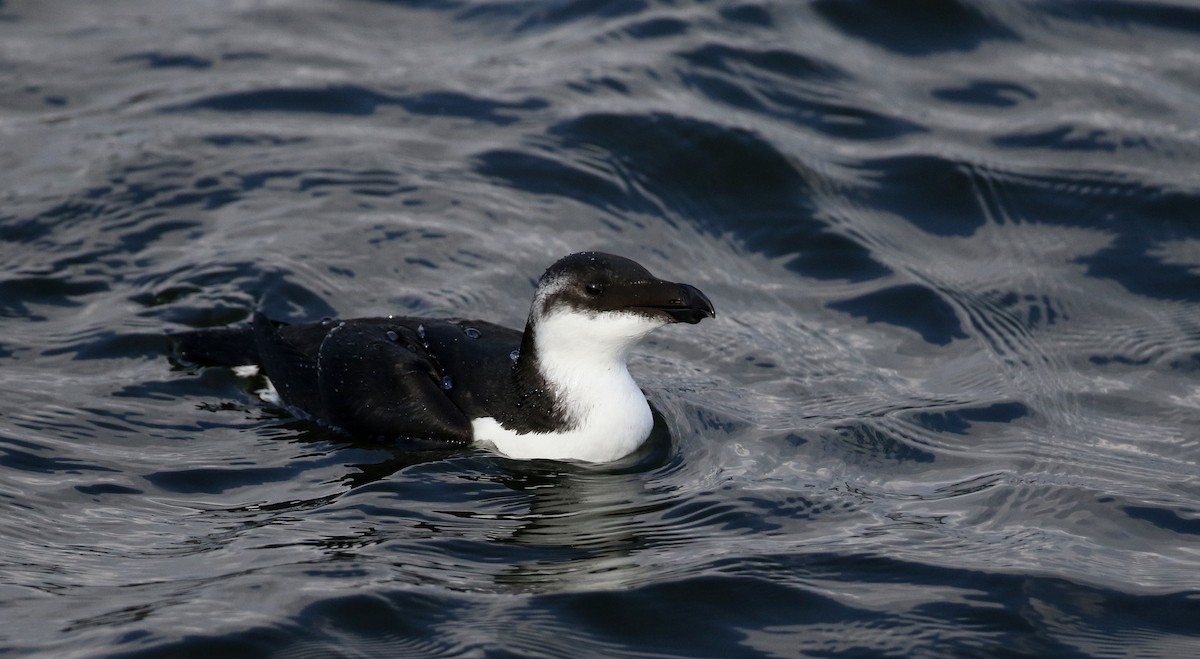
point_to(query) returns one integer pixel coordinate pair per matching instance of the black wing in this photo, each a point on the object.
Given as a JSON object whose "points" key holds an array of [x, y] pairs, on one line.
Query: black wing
{"points": [[373, 377], [287, 354], [374, 384]]}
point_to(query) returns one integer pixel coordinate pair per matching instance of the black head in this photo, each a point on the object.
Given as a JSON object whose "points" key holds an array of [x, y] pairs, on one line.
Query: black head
{"points": [[598, 282]]}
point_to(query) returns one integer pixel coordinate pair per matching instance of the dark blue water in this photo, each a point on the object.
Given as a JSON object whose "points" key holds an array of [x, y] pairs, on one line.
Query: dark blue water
{"points": [[949, 406]]}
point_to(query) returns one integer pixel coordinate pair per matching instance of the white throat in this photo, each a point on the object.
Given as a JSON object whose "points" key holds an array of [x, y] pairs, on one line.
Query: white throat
{"points": [[582, 357]]}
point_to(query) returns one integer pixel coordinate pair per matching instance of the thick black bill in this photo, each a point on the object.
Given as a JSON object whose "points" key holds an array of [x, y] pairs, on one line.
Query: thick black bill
{"points": [[694, 306], [682, 303]]}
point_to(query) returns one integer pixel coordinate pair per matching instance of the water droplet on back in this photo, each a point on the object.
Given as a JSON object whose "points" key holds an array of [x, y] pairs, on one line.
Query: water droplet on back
{"points": [[326, 320], [421, 331], [472, 333], [514, 355], [447, 382], [392, 336]]}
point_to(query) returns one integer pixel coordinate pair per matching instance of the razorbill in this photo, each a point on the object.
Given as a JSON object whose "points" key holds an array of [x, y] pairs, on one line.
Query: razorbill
{"points": [[559, 390]]}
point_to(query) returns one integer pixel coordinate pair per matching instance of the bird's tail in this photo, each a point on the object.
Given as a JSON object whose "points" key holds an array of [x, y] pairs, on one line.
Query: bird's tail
{"points": [[216, 347]]}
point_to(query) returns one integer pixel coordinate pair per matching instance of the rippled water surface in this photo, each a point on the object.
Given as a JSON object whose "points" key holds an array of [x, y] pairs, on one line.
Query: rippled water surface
{"points": [[949, 406]]}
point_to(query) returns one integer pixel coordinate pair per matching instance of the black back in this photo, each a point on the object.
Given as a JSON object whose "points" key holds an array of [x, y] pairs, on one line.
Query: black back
{"points": [[427, 379], [390, 378]]}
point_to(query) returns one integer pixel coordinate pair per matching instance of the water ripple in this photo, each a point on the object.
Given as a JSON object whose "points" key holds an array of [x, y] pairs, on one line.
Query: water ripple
{"points": [[947, 408]]}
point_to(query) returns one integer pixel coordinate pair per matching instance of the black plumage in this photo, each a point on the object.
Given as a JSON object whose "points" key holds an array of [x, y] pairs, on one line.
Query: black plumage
{"points": [[426, 380]]}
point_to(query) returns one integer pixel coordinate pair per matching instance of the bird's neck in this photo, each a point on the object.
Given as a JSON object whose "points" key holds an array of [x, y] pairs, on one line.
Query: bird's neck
{"points": [[581, 382], [575, 397]]}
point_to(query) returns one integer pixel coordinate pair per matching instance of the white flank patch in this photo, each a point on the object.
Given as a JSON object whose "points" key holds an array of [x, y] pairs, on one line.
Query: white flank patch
{"points": [[267, 394], [583, 358], [247, 371]]}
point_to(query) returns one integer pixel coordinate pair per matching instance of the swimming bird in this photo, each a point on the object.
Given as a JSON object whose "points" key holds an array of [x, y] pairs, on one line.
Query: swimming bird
{"points": [[559, 390]]}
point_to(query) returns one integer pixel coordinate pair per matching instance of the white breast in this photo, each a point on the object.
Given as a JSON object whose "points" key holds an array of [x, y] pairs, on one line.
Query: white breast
{"points": [[583, 357], [618, 423]]}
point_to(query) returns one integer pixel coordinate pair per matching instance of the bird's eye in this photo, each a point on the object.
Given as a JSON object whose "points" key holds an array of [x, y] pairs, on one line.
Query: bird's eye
{"points": [[594, 288]]}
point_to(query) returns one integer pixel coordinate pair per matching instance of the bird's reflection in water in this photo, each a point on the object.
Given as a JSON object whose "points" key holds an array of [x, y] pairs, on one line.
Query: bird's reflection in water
{"points": [[589, 516], [562, 526]]}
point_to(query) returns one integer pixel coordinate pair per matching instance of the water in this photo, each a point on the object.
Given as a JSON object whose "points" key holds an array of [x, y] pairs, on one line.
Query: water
{"points": [[948, 406]]}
